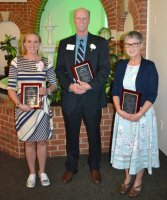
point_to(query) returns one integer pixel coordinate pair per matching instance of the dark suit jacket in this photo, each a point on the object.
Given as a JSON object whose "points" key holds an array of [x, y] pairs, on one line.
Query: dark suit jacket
{"points": [[99, 59], [146, 80]]}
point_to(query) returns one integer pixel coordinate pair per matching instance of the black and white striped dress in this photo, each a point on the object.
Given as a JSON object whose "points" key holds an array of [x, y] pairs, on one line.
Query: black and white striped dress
{"points": [[35, 125]]}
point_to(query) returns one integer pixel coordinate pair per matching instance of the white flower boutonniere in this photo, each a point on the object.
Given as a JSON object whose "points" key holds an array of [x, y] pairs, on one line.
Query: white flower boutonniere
{"points": [[40, 66], [92, 46]]}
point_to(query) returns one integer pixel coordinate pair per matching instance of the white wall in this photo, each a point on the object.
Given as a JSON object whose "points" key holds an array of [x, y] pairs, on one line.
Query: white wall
{"points": [[157, 51]]}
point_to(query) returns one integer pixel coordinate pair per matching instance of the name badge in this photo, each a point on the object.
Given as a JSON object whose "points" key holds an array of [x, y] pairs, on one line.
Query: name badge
{"points": [[70, 47]]}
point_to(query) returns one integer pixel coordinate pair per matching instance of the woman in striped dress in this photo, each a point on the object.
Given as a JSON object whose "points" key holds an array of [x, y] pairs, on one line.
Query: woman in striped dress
{"points": [[33, 126]]}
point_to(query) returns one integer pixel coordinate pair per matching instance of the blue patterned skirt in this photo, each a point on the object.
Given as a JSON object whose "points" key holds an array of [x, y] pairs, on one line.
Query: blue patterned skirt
{"points": [[135, 144]]}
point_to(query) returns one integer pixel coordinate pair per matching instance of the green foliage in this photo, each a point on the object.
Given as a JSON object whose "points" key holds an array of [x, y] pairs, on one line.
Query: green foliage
{"points": [[114, 58], [7, 46], [57, 95]]}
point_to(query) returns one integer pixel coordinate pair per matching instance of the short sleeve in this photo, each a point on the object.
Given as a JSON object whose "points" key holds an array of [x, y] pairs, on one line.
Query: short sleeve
{"points": [[13, 72], [50, 73]]}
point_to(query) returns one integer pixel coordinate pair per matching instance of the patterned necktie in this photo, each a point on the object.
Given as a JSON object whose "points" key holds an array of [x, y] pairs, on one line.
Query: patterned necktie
{"points": [[80, 53]]}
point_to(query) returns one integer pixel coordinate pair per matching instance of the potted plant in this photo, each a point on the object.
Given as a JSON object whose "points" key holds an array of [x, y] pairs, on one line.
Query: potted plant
{"points": [[11, 51]]}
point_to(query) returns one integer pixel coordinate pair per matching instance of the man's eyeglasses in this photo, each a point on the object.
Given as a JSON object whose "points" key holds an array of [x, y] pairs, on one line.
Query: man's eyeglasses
{"points": [[134, 45]]}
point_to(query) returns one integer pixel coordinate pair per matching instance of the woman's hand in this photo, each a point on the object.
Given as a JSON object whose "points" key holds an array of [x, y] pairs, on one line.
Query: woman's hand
{"points": [[134, 117], [43, 91], [122, 113], [47, 91], [131, 117], [25, 107]]}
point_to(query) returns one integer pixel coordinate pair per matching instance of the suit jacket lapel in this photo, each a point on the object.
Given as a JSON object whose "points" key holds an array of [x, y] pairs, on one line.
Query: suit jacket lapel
{"points": [[89, 41]]}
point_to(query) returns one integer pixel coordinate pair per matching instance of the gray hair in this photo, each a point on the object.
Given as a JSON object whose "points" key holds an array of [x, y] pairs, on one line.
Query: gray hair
{"points": [[88, 11], [134, 34]]}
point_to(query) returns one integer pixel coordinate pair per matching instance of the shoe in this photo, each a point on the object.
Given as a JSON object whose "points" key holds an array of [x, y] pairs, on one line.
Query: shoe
{"points": [[134, 191], [96, 176], [67, 177], [124, 188], [44, 179], [31, 181]]}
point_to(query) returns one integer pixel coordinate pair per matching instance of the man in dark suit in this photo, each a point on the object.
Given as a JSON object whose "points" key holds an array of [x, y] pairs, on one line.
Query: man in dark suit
{"points": [[83, 100]]}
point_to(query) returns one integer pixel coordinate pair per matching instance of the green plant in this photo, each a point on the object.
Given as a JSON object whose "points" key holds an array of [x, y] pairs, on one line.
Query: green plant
{"points": [[56, 96], [7, 46], [114, 58]]}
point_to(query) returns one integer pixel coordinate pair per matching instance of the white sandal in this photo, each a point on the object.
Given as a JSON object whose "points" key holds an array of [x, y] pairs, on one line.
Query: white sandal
{"points": [[31, 180], [44, 179]]}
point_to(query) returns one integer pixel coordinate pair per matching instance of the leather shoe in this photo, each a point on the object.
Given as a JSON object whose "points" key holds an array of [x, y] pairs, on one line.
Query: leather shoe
{"points": [[96, 176], [67, 177]]}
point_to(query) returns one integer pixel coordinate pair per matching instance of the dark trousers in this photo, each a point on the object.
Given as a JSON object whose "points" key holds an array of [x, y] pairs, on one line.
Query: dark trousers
{"points": [[73, 121]]}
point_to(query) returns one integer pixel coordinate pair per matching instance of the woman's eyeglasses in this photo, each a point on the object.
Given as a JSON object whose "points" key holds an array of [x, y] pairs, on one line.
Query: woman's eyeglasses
{"points": [[134, 45]]}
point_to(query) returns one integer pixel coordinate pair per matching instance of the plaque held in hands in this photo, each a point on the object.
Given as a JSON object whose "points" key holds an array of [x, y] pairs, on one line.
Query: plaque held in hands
{"points": [[30, 94], [130, 101], [83, 72]]}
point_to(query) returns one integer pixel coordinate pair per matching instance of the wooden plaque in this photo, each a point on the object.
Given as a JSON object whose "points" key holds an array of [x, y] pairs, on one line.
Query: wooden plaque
{"points": [[83, 72], [130, 101], [30, 94]]}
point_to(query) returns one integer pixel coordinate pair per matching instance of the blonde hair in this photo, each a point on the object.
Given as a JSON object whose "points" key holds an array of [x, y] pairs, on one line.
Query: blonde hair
{"points": [[23, 49]]}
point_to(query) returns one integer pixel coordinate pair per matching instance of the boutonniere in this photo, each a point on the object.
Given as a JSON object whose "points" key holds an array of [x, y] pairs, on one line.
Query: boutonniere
{"points": [[92, 47], [40, 66]]}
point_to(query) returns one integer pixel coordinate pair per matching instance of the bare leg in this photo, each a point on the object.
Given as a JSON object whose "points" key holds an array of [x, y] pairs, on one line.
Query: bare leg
{"points": [[41, 155], [138, 180], [124, 187], [136, 189], [30, 156], [128, 177]]}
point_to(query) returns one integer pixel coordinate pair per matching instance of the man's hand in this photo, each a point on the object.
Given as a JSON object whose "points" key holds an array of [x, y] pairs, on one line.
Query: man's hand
{"points": [[76, 88], [84, 85]]}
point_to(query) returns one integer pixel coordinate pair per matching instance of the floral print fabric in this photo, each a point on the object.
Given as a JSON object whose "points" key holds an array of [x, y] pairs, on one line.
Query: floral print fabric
{"points": [[135, 144]]}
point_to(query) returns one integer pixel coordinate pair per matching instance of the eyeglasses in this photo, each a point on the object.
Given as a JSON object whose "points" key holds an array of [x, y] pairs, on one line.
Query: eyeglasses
{"points": [[134, 45]]}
